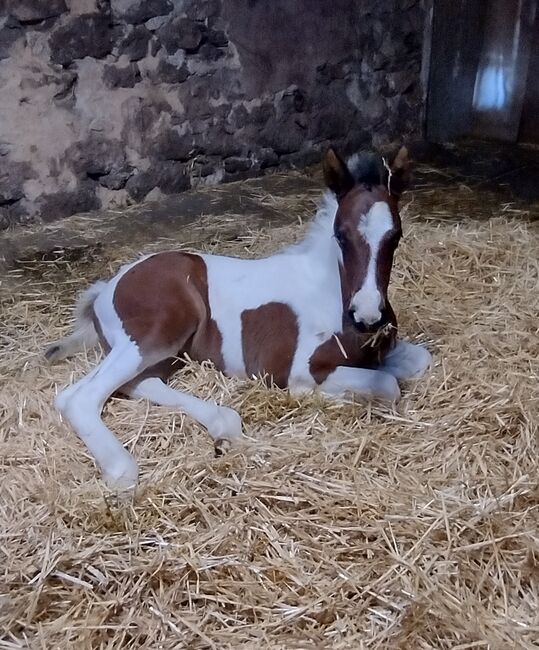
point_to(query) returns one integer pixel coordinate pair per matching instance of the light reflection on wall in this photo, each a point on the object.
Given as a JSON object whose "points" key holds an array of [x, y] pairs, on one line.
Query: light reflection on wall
{"points": [[492, 85]]}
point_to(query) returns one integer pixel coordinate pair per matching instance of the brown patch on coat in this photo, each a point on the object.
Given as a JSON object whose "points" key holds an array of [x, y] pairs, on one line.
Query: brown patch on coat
{"points": [[269, 339], [164, 307], [361, 350]]}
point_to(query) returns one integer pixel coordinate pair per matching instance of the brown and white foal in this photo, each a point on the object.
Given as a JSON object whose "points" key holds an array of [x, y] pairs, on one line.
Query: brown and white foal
{"points": [[315, 314]]}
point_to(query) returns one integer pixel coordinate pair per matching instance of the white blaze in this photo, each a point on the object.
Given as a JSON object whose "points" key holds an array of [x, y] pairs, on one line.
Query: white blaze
{"points": [[372, 226]]}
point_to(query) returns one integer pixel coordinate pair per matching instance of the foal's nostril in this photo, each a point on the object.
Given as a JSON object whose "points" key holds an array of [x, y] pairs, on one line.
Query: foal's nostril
{"points": [[361, 327], [359, 324]]}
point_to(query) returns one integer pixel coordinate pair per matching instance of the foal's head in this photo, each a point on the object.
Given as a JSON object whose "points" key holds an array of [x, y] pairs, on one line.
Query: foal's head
{"points": [[367, 228]]}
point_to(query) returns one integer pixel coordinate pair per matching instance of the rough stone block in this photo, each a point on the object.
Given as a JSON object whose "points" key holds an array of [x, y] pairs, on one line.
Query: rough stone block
{"points": [[202, 9], [169, 177], [239, 117], [263, 113], [204, 167], [126, 77], [209, 52], [282, 136], [138, 11], [267, 158], [235, 164], [135, 43], [95, 156], [402, 81], [89, 35], [65, 81], [12, 177], [181, 33], [218, 143], [115, 180], [10, 190], [34, 10], [169, 73], [169, 145], [10, 31], [217, 37]]}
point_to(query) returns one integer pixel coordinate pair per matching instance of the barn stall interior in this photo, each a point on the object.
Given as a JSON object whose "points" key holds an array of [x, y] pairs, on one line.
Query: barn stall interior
{"points": [[336, 524]]}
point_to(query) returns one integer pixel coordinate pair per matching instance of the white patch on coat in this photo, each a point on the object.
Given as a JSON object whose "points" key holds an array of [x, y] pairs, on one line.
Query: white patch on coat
{"points": [[366, 303]]}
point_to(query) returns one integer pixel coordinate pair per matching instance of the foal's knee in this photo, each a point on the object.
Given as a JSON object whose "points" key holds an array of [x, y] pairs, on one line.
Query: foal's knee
{"points": [[63, 401]]}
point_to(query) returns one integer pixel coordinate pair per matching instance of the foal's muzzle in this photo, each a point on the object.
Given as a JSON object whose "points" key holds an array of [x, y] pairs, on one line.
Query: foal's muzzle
{"points": [[370, 328]]}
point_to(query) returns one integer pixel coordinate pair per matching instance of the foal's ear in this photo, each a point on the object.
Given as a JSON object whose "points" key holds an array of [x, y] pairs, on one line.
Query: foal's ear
{"points": [[401, 172], [336, 174]]}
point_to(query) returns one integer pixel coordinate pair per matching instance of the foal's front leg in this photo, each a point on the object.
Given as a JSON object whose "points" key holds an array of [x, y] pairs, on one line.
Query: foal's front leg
{"points": [[407, 361], [371, 384]]}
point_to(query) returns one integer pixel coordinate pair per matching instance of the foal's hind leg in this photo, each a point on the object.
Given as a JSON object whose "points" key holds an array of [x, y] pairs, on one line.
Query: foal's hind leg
{"points": [[82, 403], [222, 423], [407, 361]]}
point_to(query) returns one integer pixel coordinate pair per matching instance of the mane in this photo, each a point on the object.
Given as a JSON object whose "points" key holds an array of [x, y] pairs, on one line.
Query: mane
{"points": [[320, 230], [368, 169]]}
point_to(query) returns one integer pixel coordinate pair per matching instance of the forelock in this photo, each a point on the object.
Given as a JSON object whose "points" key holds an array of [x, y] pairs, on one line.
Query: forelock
{"points": [[368, 169]]}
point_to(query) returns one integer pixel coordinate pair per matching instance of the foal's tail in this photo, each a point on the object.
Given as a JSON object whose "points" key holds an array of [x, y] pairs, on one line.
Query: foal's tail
{"points": [[84, 333]]}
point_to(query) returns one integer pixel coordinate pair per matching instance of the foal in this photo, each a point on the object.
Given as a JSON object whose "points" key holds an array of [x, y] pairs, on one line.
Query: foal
{"points": [[314, 314]]}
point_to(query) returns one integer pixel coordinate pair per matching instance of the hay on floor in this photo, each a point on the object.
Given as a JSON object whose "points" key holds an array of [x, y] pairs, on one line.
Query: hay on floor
{"points": [[338, 524]]}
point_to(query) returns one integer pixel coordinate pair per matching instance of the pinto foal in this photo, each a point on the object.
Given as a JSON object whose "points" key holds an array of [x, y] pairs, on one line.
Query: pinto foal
{"points": [[313, 314]]}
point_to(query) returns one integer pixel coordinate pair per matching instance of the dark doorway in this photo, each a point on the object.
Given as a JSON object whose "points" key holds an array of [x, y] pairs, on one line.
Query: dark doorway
{"points": [[484, 70], [529, 123]]}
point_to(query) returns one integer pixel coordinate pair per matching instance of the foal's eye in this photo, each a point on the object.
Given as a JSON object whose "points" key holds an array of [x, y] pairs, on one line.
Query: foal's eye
{"points": [[341, 239]]}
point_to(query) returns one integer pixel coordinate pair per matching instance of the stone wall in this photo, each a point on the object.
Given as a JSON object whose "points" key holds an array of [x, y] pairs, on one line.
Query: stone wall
{"points": [[107, 102]]}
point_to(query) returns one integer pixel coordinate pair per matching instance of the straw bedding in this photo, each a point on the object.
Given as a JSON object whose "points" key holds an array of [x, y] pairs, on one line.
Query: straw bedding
{"points": [[336, 525]]}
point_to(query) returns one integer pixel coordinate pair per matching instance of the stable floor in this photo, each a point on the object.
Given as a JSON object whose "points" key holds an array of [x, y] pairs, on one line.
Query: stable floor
{"points": [[337, 524]]}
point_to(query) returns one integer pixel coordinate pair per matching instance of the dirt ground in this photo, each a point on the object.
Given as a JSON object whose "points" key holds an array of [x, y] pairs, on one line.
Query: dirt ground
{"points": [[337, 524]]}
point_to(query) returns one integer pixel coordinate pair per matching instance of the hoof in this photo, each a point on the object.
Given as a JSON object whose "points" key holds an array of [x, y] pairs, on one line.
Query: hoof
{"points": [[52, 353], [119, 500], [221, 447], [123, 477]]}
